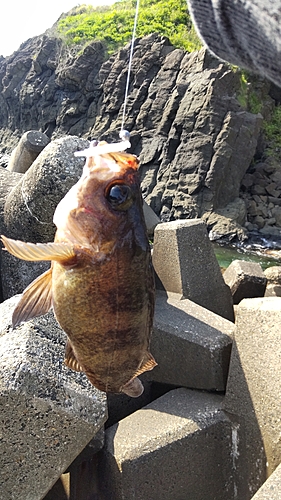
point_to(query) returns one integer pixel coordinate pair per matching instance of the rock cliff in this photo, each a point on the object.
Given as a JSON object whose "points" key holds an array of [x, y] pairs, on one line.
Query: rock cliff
{"points": [[194, 140]]}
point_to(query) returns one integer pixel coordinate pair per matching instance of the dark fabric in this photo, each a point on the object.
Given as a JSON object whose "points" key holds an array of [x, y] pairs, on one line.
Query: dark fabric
{"points": [[246, 33]]}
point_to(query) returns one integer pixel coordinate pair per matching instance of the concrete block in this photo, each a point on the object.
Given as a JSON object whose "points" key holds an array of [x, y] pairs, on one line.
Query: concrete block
{"points": [[272, 290], [273, 286], [245, 280], [273, 274], [185, 263], [178, 447], [29, 207], [7, 181], [271, 489], [48, 412], [79, 481], [192, 345], [253, 393], [27, 150]]}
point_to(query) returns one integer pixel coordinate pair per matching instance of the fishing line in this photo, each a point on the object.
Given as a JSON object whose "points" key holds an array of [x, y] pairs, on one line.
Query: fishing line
{"points": [[25, 198], [124, 132]]}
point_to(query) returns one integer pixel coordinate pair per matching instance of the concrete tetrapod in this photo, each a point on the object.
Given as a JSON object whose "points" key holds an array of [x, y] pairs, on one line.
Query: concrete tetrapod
{"points": [[185, 263], [48, 412], [178, 447], [253, 393]]}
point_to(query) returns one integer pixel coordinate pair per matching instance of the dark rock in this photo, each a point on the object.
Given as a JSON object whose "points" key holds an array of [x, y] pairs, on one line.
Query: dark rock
{"points": [[247, 180], [271, 221], [194, 140], [270, 231], [258, 189], [275, 201], [272, 290], [259, 221], [276, 177], [272, 191], [245, 280], [226, 223]]}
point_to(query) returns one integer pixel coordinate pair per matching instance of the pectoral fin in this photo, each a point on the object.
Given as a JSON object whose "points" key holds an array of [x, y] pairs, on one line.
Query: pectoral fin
{"points": [[39, 251], [148, 363], [36, 299], [70, 358]]}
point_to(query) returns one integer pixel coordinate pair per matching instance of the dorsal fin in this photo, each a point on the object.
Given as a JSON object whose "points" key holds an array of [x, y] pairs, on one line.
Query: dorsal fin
{"points": [[36, 299]]}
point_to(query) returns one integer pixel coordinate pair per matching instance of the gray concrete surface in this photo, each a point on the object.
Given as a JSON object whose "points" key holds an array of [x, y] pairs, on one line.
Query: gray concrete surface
{"points": [[178, 447], [48, 412], [273, 286], [253, 393], [185, 263], [191, 344]]}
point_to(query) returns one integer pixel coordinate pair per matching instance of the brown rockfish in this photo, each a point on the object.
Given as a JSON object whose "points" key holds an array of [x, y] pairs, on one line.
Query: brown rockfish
{"points": [[100, 283]]}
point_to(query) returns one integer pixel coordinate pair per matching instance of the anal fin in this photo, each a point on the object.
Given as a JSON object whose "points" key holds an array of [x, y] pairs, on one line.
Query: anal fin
{"points": [[70, 358], [148, 363], [36, 299]]}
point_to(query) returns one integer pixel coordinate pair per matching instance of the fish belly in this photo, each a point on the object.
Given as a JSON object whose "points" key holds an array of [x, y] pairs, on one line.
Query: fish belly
{"points": [[105, 309]]}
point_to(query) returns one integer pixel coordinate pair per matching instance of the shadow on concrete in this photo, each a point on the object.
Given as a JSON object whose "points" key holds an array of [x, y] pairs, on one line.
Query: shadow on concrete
{"points": [[57, 492]]}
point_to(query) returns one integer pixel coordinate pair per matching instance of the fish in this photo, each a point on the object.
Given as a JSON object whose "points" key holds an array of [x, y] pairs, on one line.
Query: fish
{"points": [[101, 282]]}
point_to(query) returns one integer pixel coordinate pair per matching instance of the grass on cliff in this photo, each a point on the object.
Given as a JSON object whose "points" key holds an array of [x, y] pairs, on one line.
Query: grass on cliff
{"points": [[113, 25], [272, 130], [247, 96], [250, 99]]}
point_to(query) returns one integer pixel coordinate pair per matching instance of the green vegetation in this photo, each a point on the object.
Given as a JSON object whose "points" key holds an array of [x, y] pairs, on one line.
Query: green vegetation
{"points": [[248, 96], [113, 25], [272, 131]]}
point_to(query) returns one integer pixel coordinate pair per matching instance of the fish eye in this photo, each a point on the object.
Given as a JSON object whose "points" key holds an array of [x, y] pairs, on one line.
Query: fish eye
{"points": [[120, 196]]}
